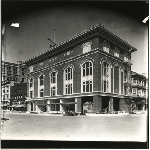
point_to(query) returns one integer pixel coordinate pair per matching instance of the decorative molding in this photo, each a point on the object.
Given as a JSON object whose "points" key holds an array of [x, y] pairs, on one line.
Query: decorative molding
{"points": [[96, 50]]}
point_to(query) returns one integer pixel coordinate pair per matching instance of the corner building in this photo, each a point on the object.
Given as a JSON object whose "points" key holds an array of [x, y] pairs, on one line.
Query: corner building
{"points": [[89, 72]]}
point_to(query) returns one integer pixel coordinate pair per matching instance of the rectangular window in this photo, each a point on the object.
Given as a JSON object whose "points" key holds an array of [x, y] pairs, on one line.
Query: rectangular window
{"points": [[22, 79], [134, 81], [31, 94], [68, 88], [41, 93], [23, 69], [83, 72], [86, 47], [134, 91], [106, 49], [57, 107], [87, 86], [30, 84], [53, 77], [23, 73], [83, 86], [52, 107], [53, 91]]}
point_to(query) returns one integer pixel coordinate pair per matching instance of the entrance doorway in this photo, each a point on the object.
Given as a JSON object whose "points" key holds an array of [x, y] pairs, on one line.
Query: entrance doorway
{"points": [[31, 106], [87, 104], [105, 103], [116, 104]]}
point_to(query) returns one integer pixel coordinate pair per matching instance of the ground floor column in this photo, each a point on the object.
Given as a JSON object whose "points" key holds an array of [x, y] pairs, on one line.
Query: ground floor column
{"points": [[61, 105], [76, 109], [111, 109], [97, 104], [37, 108], [79, 103], [48, 108], [28, 106]]}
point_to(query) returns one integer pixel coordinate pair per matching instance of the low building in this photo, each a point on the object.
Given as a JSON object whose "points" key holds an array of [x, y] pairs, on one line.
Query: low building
{"points": [[139, 91], [90, 72]]}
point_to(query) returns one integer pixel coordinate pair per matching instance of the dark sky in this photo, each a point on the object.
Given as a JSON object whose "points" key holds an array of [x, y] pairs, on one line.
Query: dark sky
{"points": [[38, 20]]}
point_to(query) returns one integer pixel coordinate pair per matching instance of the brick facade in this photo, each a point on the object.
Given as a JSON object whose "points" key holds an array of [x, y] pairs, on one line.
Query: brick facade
{"points": [[70, 53], [97, 104]]}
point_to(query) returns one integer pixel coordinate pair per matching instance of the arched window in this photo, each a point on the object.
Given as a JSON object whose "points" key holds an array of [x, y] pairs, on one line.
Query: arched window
{"points": [[41, 85], [41, 80], [105, 77], [87, 77], [31, 82], [31, 88], [68, 80], [53, 84]]}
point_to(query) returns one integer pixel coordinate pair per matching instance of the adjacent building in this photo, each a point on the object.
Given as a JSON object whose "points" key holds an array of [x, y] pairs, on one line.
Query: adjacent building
{"points": [[90, 72], [9, 76], [139, 91], [14, 86], [18, 94]]}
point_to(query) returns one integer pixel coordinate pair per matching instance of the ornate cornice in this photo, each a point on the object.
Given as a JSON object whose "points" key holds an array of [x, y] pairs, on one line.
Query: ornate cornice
{"points": [[97, 30]]}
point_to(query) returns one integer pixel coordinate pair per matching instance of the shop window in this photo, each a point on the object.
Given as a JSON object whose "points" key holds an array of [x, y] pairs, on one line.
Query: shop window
{"points": [[55, 107]]}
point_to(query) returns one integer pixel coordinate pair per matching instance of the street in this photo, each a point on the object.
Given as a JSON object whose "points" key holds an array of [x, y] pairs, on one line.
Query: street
{"points": [[24, 126]]}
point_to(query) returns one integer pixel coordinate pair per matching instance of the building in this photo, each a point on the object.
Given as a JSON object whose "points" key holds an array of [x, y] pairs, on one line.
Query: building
{"points": [[18, 94], [13, 81], [9, 78], [90, 72], [139, 92]]}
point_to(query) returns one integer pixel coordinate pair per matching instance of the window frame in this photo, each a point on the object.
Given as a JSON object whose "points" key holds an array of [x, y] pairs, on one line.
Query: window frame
{"points": [[87, 77], [105, 77], [31, 88], [87, 47], [41, 86], [68, 80], [53, 83]]}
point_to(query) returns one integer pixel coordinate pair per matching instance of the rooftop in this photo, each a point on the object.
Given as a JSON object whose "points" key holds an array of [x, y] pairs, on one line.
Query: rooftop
{"points": [[137, 74], [95, 30]]}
